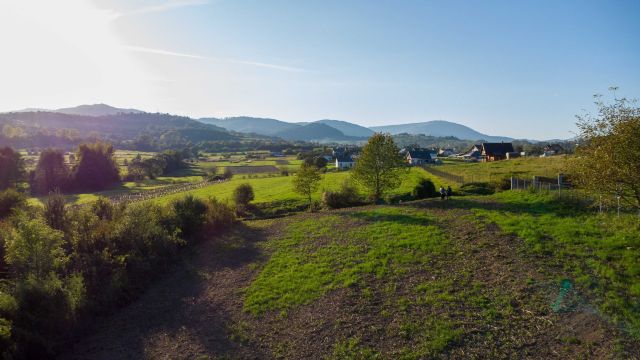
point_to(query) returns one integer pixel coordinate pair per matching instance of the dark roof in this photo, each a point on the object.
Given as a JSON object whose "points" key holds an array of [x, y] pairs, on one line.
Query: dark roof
{"points": [[420, 154], [493, 149], [347, 158]]}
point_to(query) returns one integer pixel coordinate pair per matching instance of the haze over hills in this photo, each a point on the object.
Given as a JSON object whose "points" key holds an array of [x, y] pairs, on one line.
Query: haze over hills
{"points": [[325, 130], [440, 128]]}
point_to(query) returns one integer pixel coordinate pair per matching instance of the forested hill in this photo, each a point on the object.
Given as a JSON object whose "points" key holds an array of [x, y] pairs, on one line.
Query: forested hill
{"points": [[34, 128]]}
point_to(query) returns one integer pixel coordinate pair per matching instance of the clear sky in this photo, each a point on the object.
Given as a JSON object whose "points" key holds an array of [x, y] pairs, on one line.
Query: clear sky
{"points": [[512, 68]]}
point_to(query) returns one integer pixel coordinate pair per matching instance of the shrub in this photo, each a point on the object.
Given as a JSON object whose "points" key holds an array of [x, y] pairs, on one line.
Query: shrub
{"points": [[10, 199], [227, 174], [190, 213], [346, 196], [55, 212], [219, 215], [396, 198], [424, 189], [243, 195], [478, 188], [503, 184]]}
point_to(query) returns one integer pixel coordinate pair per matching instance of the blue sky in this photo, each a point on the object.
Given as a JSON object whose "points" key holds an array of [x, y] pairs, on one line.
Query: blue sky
{"points": [[513, 68]]}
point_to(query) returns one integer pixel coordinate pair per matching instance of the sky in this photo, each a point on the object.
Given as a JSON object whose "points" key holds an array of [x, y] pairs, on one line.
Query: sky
{"points": [[514, 68]]}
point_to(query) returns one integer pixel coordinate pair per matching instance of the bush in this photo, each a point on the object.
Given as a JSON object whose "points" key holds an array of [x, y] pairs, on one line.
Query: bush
{"points": [[424, 189], [55, 212], [346, 196], [503, 184], [478, 188], [10, 199], [220, 215], [397, 198], [227, 174], [190, 213], [243, 195]]}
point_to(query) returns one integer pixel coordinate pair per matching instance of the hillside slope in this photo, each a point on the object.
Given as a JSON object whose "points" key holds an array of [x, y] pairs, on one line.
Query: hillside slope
{"points": [[439, 128], [347, 128], [245, 124], [421, 280]]}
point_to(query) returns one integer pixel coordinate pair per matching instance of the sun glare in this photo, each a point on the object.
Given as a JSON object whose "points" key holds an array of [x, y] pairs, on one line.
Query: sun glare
{"points": [[54, 51]]}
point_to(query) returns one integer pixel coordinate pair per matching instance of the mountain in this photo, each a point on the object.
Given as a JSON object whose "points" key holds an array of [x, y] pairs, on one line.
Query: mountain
{"points": [[312, 132], [439, 128], [347, 128], [245, 124], [96, 110], [118, 127]]}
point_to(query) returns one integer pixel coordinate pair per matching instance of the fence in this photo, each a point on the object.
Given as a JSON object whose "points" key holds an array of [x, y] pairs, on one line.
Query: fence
{"points": [[540, 183], [156, 193]]}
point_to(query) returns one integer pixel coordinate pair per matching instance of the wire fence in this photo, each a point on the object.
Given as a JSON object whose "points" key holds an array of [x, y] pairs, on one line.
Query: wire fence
{"points": [[444, 175]]}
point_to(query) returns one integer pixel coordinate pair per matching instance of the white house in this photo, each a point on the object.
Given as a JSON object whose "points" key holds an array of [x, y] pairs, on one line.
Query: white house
{"points": [[418, 157], [344, 162]]}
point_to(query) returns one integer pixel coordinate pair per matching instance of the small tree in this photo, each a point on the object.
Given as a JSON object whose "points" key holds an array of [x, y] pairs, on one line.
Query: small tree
{"points": [[228, 173], [243, 195], [607, 159], [306, 181], [96, 168], [379, 166], [11, 168], [51, 172]]}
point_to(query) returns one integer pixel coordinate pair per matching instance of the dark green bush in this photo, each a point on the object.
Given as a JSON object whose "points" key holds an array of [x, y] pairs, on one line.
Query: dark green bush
{"points": [[478, 188], [190, 213], [397, 198], [220, 215], [346, 196], [243, 195], [424, 189], [10, 199], [503, 184]]}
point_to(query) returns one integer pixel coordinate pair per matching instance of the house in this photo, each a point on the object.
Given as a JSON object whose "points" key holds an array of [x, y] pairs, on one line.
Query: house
{"points": [[418, 156], [446, 152], [473, 154], [552, 149], [344, 162], [496, 151], [276, 154]]}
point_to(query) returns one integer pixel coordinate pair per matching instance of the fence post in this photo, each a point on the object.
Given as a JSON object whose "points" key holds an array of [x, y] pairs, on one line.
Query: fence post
{"points": [[512, 183]]}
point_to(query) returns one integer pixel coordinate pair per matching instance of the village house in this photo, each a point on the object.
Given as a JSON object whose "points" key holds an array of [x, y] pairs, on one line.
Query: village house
{"points": [[418, 156], [344, 162], [473, 154], [446, 152], [552, 149], [497, 151]]}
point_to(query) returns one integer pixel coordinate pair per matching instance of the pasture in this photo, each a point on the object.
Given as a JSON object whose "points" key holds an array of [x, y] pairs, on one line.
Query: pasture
{"points": [[524, 167]]}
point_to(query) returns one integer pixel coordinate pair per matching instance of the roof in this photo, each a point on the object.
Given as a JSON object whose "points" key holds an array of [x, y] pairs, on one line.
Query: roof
{"points": [[347, 158], [497, 148], [420, 154]]}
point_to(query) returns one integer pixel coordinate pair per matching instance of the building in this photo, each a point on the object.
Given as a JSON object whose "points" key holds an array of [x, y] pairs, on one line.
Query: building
{"points": [[552, 149], [446, 152], [473, 154], [496, 151], [344, 162], [418, 156]]}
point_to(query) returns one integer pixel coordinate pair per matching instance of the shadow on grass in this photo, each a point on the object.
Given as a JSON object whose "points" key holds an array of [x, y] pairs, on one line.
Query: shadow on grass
{"points": [[374, 216], [192, 304]]}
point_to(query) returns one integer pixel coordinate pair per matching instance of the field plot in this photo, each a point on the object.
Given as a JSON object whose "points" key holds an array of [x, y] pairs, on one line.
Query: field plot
{"points": [[427, 279], [254, 169], [494, 171]]}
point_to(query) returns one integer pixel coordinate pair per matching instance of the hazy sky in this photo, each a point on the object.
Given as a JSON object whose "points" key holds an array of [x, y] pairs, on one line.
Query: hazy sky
{"points": [[502, 67]]}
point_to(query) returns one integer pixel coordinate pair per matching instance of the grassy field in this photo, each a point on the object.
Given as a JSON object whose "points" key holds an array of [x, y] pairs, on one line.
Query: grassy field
{"points": [[525, 167], [425, 280]]}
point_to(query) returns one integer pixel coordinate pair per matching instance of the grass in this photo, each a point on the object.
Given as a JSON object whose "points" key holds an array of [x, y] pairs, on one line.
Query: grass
{"points": [[384, 243], [601, 251], [525, 167]]}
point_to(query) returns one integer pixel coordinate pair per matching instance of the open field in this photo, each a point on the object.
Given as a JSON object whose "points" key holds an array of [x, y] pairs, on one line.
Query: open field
{"points": [[427, 279], [525, 167]]}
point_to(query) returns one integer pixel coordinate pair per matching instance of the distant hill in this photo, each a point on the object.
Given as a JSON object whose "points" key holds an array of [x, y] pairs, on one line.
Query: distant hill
{"points": [[121, 126], [439, 128], [347, 128], [312, 132], [96, 110], [245, 124]]}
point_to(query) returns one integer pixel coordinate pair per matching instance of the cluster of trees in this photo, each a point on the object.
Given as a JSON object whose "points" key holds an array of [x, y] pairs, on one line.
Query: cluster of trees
{"points": [[95, 169], [379, 169], [61, 267], [160, 164]]}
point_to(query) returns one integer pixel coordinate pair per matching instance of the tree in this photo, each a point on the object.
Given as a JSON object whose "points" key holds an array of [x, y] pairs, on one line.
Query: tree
{"points": [[96, 168], [306, 181], [51, 172], [379, 166], [243, 195], [607, 159], [320, 162], [11, 168]]}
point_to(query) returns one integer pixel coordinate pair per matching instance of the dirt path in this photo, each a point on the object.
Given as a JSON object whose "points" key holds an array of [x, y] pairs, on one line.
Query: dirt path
{"points": [[196, 312]]}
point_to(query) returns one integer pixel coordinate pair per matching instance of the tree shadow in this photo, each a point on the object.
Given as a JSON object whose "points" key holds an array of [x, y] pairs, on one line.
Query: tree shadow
{"points": [[192, 306]]}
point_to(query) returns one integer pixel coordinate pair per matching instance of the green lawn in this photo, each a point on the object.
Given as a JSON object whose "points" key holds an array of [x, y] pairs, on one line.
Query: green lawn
{"points": [[525, 167], [600, 251]]}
